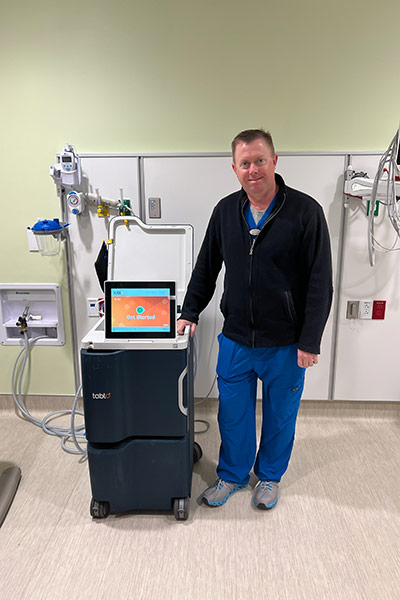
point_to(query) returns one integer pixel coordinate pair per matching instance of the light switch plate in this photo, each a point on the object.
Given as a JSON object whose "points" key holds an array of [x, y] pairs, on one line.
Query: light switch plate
{"points": [[155, 208]]}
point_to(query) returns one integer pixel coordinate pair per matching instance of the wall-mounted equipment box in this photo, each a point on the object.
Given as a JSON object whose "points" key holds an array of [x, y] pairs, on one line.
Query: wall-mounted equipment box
{"points": [[41, 304]]}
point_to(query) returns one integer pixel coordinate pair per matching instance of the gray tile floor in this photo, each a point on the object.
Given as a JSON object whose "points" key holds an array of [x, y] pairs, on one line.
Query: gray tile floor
{"points": [[335, 533]]}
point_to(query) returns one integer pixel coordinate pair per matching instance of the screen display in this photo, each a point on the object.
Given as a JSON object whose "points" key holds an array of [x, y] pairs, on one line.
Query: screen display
{"points": [[66, 159], [140, 309]]}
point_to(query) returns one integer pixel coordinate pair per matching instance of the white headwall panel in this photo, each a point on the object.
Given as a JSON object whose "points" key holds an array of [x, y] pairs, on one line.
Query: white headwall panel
{"points": [[190, 187], [367, 358], [322, 178]]}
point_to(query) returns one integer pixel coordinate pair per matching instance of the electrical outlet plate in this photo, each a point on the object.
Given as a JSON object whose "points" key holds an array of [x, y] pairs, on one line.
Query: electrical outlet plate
{"points": [[366, 309], [379, 308], [93, 309]]}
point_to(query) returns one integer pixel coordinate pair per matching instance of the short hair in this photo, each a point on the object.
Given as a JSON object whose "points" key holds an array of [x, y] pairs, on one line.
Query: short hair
{"points": [[251, 135]]}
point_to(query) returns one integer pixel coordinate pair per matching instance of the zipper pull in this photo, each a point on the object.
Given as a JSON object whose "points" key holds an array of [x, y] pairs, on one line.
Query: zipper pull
{"points": [[254, 233]]}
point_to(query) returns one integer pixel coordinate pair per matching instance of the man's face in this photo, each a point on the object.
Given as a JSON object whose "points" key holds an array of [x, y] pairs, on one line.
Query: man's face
{"points": [[254, 165]]}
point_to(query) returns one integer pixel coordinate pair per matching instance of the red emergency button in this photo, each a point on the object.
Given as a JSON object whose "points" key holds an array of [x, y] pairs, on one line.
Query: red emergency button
{"points": [[378, 309]]}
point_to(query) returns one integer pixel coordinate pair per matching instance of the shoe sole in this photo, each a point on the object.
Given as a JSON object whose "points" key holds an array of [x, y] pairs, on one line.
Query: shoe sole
{"points": [[220, 502], [265, 506]]}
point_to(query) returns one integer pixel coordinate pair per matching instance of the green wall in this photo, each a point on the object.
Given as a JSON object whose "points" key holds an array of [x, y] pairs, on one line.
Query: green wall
{"points": [[130, 76]]}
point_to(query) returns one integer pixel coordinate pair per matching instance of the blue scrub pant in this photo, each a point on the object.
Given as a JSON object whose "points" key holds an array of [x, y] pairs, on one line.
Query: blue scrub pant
{"points": [[238, 369]]}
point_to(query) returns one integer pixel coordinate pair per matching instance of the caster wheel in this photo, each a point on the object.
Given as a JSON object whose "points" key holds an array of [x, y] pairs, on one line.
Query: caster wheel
{"points": [[99, 509], [197, 452], [181, 509]]}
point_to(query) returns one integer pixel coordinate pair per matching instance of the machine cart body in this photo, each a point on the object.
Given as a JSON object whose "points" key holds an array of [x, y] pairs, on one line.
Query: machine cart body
{"points": [[138, 393]]}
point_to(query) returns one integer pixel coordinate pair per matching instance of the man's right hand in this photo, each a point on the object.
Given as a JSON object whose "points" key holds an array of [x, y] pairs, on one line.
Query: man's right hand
{"points": [[182, 323]]}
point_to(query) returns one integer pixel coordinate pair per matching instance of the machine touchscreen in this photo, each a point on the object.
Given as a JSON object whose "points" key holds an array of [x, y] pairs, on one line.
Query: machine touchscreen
{"points": [[141, 309]]}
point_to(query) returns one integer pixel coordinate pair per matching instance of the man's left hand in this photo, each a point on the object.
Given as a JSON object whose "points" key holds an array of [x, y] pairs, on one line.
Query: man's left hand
{"points": [[305, 359]]}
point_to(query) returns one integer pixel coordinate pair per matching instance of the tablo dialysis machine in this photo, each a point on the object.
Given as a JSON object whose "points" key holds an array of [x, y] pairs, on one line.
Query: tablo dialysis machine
{"points": [[137, 375]]}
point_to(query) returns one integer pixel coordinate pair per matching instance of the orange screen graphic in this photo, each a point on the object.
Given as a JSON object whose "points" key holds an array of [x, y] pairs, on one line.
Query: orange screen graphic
{"points": [[144, 312]]}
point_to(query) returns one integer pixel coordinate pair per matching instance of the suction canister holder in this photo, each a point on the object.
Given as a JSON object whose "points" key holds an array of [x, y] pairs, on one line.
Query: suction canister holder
{"points": [[49, 235]]}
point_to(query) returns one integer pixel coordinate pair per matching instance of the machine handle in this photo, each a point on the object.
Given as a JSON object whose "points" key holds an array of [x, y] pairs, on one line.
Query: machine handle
{"points": [[181, 406]]}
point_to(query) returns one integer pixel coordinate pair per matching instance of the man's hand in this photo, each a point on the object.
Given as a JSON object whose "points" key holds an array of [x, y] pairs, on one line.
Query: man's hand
{"points": [[305, 359], [182, 323]]}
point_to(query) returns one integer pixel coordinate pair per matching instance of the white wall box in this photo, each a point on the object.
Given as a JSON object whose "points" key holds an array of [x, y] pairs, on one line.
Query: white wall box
{"points": [[44, 315]]}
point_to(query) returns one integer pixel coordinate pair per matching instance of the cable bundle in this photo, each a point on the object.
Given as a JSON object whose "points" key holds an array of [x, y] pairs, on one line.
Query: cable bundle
{"points": [[388, 164], [65, 433]]}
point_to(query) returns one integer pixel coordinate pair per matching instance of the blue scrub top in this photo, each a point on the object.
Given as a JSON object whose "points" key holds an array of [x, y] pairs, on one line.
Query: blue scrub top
{"points": [[250, 219]]}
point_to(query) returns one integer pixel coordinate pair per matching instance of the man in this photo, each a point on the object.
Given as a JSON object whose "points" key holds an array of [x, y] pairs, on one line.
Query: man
{"points": [[275, 245]]}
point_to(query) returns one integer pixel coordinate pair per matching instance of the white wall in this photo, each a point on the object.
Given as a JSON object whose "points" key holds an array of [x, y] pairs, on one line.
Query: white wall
{"points": [[367, 358]]}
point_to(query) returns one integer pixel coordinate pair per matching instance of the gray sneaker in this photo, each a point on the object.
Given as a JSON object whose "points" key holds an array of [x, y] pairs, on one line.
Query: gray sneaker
{"points": [[219, 493], [266, 494]]}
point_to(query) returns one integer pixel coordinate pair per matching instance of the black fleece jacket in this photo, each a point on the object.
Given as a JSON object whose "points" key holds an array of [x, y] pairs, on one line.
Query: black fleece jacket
{"points": [[278, 288]]}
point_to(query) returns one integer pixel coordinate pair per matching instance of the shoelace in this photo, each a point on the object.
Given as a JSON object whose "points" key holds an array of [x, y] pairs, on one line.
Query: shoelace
{"points": [[265, 485], [219, 484]]}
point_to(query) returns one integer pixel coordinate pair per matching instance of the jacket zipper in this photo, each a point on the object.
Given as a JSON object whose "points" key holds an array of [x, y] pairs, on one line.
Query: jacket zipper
{"points": [[271, 216], [253, 333], [251, 299]]}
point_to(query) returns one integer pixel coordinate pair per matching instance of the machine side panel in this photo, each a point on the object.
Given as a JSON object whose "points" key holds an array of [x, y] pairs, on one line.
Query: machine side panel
{"points": [[141, 474], [133, 393]]}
